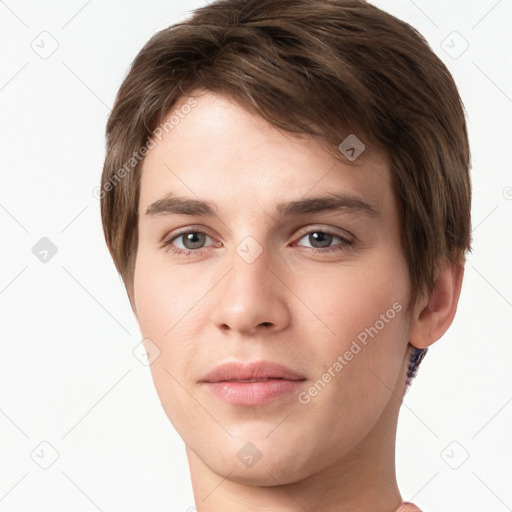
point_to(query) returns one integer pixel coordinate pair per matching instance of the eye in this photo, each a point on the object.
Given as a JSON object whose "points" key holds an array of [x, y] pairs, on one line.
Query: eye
{"points": [[320, 240], [187, 242], [192, 242]]}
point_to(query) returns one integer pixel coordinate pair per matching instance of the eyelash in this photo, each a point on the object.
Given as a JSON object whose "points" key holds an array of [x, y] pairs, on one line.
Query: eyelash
{"points": [[345, 243]]}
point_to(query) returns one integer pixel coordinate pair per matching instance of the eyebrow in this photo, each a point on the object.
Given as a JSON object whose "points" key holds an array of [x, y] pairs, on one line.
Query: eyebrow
{"points": [[344, 203]]}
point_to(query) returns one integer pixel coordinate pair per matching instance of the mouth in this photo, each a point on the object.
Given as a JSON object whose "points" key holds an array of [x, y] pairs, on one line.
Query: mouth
{"points": [[254, 383]]}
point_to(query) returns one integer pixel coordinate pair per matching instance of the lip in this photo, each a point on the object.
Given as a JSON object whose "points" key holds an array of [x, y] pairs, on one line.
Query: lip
{"points": [[253, 370], [254, 383]]}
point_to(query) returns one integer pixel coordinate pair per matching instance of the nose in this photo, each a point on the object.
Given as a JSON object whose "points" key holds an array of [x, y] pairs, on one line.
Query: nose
{"points": [[252, 298]]}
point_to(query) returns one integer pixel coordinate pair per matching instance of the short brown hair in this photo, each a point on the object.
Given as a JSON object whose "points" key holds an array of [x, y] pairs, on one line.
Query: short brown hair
{"points": [[325, 68]]}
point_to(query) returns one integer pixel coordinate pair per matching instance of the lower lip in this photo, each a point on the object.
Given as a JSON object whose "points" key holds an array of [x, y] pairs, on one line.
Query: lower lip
{"points": [[253, 393]]}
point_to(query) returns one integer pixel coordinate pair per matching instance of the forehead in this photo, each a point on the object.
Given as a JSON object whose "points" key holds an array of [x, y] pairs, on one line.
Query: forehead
{"points": [[215, 150]]}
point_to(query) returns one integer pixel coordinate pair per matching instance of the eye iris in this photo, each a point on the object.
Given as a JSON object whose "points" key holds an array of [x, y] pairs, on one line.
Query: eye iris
{"points": [[324, 239], [195, 238]]}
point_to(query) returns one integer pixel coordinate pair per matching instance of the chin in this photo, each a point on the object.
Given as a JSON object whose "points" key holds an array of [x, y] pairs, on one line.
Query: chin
{"points": [[260, 462], [274, 470]]}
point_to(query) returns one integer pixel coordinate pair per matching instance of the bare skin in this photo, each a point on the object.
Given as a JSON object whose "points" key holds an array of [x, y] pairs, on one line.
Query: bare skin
{"points": [[318, 281]]}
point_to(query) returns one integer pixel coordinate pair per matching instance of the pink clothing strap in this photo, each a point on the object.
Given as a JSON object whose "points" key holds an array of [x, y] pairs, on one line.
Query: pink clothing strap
{"points": [[408, 507]]}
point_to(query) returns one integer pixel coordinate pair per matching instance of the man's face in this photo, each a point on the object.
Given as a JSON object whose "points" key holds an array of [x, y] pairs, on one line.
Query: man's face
{"points": [[323, 293]]}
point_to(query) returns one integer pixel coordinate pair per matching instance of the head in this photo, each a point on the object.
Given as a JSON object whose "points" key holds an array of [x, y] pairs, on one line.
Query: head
{"points": [[247, 111]]}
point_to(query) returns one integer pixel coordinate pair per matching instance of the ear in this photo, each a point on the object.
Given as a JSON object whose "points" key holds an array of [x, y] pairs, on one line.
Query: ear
{"points": [[434, 314]]}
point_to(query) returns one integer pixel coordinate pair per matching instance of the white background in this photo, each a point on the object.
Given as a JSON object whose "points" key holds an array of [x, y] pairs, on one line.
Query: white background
{"points": [[68, 376]]}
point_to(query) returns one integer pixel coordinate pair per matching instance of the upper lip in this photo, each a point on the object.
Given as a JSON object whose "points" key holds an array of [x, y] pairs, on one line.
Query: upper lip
{"points": [[232, 371]]}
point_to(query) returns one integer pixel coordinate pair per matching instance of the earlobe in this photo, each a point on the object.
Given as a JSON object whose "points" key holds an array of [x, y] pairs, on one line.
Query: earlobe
{"points": [[434, 315]]}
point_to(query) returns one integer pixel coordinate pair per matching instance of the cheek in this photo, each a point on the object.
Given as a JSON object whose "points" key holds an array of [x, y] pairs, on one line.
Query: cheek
{"points": [[164, 301], [164, 305], [171, 311], [350, 299], [364, 309], [166, 311]]}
